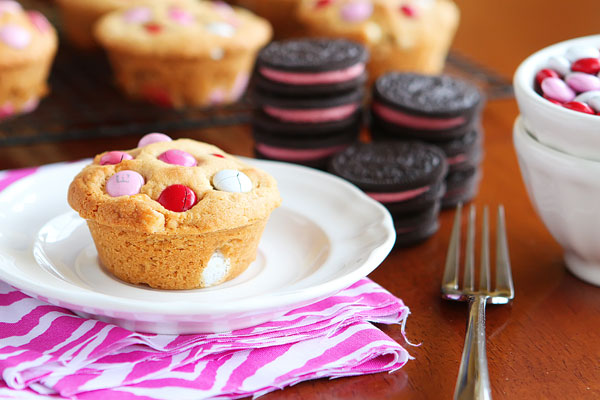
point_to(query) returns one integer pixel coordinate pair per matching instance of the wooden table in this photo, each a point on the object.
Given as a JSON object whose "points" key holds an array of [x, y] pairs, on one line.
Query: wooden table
{"points": [[546, 344]]}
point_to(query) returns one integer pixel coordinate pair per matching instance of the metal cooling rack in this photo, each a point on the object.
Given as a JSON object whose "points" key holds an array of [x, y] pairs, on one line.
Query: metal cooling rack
{"points": [[84, 103]]}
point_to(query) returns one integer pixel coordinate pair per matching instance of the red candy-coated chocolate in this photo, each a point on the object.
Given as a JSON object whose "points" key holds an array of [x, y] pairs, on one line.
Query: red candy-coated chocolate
{"points": [[553, 101], [157, 95], [587, 65], [408, 11], [177, 198], [578, 106], [323, 3], [153, 27], [545, 73]]}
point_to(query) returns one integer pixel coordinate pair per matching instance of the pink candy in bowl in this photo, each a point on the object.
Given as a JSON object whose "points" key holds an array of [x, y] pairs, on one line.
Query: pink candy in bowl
{"points": [[558, 93]]}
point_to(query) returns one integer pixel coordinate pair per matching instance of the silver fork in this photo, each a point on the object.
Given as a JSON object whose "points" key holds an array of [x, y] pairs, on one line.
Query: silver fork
{"points": [[473, 381]]}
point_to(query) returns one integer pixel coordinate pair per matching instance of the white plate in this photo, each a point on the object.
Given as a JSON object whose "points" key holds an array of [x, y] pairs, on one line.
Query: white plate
{"points": [[326, 235]]}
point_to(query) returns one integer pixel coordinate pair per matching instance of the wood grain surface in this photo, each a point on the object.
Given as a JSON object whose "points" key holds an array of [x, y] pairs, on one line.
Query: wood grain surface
{"points": [[546, 344]]}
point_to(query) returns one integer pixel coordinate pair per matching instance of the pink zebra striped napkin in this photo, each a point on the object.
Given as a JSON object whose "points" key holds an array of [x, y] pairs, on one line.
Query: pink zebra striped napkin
{"points": [[48, 352]]}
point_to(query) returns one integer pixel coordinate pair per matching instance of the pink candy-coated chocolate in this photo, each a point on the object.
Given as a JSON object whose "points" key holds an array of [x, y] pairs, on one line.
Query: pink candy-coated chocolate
{"points": [[578, 106], [545, 73], [412, 121], [239, 86], [6, 110], [409, 11], [15, 36], [587, 65], [39, 21], [216, 97], [30, 105], [356, 11], [323, 3], [181, 16], [318, 78], [10, 7], [557, 89], [137, 15], [394, 197], [285, 154], [582, 82], [153, 138], [114, 157], [178, 157], [124, 183], [315, 115]]}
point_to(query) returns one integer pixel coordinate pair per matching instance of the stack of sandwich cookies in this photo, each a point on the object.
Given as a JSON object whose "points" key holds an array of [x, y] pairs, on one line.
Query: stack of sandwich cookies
{"points": [[407, 177], [440, 110], [309, 95]]}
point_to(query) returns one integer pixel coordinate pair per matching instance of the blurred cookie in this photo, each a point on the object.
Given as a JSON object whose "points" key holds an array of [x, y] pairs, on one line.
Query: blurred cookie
{"points": [[461, 186]]}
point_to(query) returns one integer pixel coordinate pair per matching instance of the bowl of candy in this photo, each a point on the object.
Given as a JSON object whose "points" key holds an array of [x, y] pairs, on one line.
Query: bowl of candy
{"points": [[558, 93]]}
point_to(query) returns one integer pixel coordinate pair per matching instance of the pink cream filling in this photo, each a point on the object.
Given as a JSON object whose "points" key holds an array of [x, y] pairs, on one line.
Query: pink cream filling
{"points": [[315, 115], [318, 78], [394, 197], [285, 154], [456, 159], [412, 121]]}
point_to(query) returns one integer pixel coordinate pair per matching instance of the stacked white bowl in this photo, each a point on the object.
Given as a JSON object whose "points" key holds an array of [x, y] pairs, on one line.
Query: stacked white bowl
{"points": [[559, 156]]}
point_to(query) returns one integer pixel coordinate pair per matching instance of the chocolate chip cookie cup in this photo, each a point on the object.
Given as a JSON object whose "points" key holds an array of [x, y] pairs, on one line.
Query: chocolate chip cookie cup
{"points": [[183, 56], [174, 214]]}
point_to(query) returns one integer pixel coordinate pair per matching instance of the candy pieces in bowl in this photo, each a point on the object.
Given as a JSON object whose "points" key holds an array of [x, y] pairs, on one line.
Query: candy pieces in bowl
{"points": [[565, 192], [558, 92]]}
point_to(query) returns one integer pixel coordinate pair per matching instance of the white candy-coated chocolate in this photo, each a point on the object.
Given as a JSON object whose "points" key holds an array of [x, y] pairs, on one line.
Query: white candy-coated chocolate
{"points": [[231, 180], [560, 64], [575, 53], [217, 268], [594, 102], [584, 97]]}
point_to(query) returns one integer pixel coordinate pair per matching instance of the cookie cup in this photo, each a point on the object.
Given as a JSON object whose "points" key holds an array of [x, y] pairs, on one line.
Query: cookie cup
{"points": [[142, 242], [416, 41], [24, 69], [201, 60], [176, 261]]}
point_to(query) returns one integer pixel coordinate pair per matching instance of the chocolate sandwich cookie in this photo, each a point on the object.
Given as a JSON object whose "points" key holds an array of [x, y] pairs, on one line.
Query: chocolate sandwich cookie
{"points": [[434, 108], [306, 67], [417, 227], [310, 150], [404, 176], [318, 114], [461, 186], [461, 153]]}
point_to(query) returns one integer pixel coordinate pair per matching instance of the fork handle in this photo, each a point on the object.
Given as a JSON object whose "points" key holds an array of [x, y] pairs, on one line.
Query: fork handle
{"points": [[473, 381]]}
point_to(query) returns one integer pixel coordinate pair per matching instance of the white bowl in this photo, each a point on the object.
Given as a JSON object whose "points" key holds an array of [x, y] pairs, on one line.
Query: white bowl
{"points": [[565, 191], [570, 131]]}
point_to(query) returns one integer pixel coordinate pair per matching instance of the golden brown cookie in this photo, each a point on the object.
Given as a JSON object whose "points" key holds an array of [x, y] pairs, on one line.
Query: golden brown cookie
{"points": [[174, 214], [401, 35], [27, 47], [197, 55]]}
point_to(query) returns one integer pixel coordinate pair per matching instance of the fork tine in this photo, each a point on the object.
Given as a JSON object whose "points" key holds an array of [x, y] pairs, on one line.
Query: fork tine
{"points": [[484, 275], [469, 276], [450, 279], [504, 282]]}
